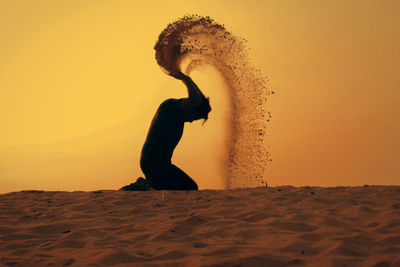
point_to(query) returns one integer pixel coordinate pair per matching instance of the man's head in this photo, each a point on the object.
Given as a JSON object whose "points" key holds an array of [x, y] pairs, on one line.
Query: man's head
{"points": [[199, 112]]}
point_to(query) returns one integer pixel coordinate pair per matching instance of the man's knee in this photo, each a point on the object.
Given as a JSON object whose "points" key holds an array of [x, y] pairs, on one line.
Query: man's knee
{"points": [[193, 186]]}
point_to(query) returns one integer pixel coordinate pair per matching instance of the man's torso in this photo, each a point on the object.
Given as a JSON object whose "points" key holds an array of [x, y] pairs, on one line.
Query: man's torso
{"points": [[165, 132]]}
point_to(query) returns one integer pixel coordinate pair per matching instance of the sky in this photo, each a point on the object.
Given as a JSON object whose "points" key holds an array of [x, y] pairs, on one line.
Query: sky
{"points": [[79, 86]]}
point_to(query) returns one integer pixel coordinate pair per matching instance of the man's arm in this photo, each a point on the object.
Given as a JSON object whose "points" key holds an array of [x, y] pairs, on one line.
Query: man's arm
{"points": [[195, 96]]}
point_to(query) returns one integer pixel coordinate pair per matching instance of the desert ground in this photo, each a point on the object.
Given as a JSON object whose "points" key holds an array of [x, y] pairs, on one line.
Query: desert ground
{"points": [[275, 226]]}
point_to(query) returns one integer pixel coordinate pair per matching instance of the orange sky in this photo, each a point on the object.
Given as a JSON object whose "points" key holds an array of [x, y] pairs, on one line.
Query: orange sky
{"points": [[79, 86]]}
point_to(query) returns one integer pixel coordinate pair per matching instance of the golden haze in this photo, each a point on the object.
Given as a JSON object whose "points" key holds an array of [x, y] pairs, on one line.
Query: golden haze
{"points": [[79, 86]]}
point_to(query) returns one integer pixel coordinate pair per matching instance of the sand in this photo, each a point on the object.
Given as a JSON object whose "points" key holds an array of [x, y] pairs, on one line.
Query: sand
{"points": [[277, 226], [193, 41]]}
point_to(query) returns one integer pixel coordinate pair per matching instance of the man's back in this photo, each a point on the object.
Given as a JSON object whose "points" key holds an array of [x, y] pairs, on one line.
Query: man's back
{"points": [[165, 132]]}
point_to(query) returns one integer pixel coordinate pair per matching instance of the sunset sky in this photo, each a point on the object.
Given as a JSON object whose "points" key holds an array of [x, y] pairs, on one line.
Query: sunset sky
{"points": [[79, 86]]}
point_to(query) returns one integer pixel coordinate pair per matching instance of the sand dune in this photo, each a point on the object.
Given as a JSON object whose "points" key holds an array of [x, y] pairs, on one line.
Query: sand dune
{"points": [[278, 226]]}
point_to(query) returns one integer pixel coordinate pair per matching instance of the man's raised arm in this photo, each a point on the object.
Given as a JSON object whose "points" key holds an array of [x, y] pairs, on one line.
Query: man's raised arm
{"points": [[195, 96]]}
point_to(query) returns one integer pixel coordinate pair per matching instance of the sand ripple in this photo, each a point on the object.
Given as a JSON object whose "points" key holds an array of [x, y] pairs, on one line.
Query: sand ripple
{"points": [[285, 226]]}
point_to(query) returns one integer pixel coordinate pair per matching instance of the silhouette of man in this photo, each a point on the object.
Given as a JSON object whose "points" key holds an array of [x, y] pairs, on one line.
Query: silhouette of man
{"points": [[164, 134]]}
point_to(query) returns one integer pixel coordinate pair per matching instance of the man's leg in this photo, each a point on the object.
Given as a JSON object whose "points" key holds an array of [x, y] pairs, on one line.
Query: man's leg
{"points": [[170, 177], [180, 180]]}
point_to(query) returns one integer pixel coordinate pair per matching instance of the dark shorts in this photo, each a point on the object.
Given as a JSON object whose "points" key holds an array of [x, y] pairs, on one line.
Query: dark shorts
{"points": [[166, 176]]}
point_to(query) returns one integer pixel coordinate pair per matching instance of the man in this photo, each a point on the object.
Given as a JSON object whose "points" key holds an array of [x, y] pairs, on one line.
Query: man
{"points": [[164, 134]]}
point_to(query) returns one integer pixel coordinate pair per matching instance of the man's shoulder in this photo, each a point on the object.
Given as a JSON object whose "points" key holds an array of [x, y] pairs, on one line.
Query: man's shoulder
{"points": [[171, 102]]}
